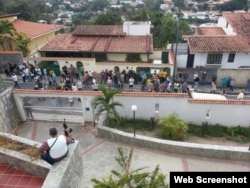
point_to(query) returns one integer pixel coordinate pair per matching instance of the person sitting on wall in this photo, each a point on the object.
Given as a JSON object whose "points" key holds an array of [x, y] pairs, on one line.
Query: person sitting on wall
{"points": [[55, 148]]}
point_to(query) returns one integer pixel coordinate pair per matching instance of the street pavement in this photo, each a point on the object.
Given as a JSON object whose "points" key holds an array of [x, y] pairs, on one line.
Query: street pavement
{"points": [[204, 88], [98, 154]]}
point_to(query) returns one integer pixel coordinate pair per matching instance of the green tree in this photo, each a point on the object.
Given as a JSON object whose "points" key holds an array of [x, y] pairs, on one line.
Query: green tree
{"points": [[132, 179], [179, 3], [99, 5], [81, 19], [106, 103], [165, 26], [234, 5], [22, 41], [7, 31], [141, 15], [153, 4], [108, 19], [172, 127], [26, 8]]}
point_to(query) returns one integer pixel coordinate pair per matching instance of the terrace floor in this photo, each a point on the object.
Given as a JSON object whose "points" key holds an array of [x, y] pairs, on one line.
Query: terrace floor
{"points": [[12, 177]]}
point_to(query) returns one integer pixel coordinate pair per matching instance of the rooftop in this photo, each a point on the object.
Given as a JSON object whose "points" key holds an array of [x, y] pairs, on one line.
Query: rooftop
{"points": [[214, 39], [218, 43], [99, 30], [128, 44], [33, 29], [212, 31]]}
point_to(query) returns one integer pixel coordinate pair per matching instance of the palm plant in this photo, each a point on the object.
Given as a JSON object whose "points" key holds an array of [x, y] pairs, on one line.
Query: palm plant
{"points": [[7, 31], [131, 179], [22, 41], [105, 103], [172, 127]]}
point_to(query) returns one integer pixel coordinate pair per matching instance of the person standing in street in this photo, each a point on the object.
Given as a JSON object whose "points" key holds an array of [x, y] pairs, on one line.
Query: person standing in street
{"points": [[15, 80], [131, 83], [213, 90]]}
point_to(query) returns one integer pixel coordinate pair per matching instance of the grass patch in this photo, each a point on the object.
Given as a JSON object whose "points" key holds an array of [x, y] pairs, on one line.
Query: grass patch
{"points": [[236, 133], [8, 143]]}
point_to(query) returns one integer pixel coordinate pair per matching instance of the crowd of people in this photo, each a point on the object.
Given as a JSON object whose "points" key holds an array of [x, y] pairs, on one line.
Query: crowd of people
{"points": [[72, 79]]}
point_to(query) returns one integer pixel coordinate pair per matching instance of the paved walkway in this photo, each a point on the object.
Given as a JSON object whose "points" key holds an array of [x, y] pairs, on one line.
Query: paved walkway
{"points": [[99, 155]]}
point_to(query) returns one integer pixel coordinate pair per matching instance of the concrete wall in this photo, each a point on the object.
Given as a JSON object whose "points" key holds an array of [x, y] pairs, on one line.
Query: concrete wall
{"points": [[63, 174], [201, 150], [224, 112], [136, 28], [68, 172], [34, 166], [9, 115], [241, 76]]}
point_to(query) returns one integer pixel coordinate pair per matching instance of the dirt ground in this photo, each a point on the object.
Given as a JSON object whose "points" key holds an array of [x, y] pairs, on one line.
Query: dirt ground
{"points": [[208, 140]]}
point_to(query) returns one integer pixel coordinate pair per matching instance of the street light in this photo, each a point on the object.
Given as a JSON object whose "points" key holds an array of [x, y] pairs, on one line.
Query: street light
{"points": [[134, 108], [176, 49]]}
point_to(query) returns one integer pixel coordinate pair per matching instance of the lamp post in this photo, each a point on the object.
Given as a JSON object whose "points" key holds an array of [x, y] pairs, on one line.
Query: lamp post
{"points": [[176, 49], [134, 108]]}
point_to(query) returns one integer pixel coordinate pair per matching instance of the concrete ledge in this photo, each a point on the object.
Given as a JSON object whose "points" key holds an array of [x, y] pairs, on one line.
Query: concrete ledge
{"points": [[66, 173], [63, 174], [34, 166], [201, 150]]}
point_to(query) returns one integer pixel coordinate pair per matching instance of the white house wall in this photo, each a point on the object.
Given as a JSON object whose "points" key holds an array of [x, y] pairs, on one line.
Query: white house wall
{"points": [[137, 28], [182, 61], [156, 55], [116, 57], [241, 59], [226, 27], [200, 59]]}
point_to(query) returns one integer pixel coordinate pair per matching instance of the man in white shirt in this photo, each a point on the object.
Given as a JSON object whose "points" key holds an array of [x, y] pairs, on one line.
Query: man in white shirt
{"points": [[38, 71], [15, 80], [55, 148], [79, 85], [74, 87], [131, 83]]}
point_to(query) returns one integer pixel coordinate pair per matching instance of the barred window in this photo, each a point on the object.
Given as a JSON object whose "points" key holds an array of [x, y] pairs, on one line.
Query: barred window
{"points": [[231, 58], [214, 58]]}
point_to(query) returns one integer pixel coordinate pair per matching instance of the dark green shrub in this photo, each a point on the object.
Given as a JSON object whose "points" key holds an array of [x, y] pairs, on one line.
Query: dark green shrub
{"points": [[216, 130], [195, 130], [233, 131], [128, 124], [172, 127]]}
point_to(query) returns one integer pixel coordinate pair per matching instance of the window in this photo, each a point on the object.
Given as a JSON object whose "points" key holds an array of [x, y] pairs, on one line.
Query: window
{"points": [[231, 58], [214, 58]]}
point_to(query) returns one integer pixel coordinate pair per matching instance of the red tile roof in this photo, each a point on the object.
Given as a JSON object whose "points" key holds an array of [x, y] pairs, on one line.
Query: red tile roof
{"points": [[202, 44], [99, 30], [214, 40], [210, 31], [33, 29], [240, 22], [125, 44]]}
